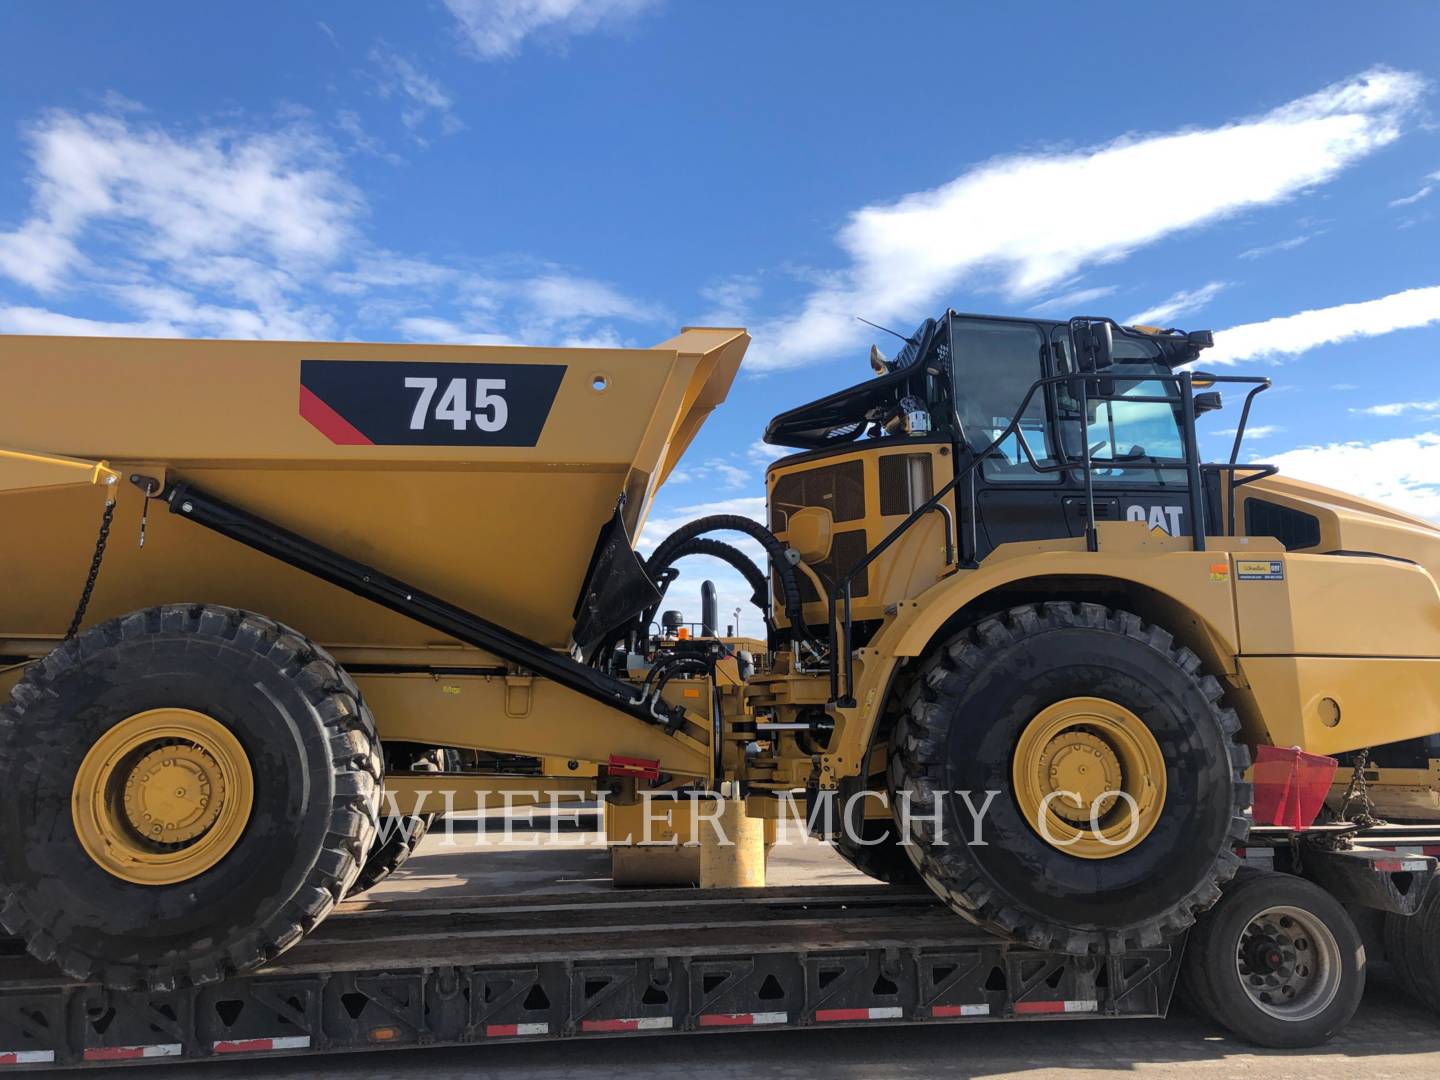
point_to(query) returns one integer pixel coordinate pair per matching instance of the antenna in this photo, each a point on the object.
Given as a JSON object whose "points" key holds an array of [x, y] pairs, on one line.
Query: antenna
{"points": [[887, 330]]}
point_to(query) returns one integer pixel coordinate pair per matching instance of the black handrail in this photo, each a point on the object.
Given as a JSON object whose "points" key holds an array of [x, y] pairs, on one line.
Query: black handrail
{"points": [[841, 590]]}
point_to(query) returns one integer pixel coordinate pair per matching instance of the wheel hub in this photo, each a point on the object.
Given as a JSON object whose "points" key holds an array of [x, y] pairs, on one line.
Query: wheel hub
{"points": [[1089, 777], [174, 794], [1288, 963], [1076, 763], [162, 796]]}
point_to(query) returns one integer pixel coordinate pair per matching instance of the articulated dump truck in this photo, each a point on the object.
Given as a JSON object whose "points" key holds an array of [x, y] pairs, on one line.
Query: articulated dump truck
{"points": [[248, 586]]}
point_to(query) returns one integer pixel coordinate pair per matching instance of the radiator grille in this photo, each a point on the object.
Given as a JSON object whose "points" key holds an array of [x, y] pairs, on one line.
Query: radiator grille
{"points": [[838, 488]]}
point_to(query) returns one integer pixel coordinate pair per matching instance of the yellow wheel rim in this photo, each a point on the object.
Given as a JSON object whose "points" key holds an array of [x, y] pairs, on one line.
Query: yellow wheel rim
{"points": [[1086, 762], [162, 796]]}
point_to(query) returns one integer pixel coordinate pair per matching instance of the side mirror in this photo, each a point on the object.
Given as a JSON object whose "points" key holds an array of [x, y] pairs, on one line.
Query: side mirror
{"points": [[1208, 402], [809, 531], [1094, 344]]}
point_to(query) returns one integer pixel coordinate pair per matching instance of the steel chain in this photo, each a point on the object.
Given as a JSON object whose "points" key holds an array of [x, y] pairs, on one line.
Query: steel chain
{"points": [[95, 561]]}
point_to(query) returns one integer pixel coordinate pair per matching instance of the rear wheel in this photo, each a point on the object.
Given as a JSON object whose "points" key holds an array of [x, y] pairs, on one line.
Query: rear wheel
{"points": [[1117, 781], [1412, 945], [871, 845], [1278, 961], [399, 834], [188, 790]]}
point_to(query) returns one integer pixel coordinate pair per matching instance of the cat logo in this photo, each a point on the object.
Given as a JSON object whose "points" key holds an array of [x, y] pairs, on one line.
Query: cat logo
{"points": [[1166, 519]]}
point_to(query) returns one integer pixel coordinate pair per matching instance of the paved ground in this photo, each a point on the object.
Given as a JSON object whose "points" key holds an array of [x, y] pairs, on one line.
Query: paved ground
{"points": [[1389, 1038]]}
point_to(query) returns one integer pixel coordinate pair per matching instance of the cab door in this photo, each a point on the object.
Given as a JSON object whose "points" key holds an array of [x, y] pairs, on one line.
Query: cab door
{"points": [[1017, 495], [995, 363]]}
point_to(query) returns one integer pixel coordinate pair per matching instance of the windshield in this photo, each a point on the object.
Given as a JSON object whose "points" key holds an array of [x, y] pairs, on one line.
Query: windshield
{"points": [[1130, 440]]}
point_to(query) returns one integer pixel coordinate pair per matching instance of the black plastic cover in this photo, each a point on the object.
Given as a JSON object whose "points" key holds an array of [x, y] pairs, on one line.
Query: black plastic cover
{"points": [[616, 587]]}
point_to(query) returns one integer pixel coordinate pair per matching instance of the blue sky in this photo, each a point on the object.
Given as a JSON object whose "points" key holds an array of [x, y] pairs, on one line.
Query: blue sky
{"points": [[603, 171]]}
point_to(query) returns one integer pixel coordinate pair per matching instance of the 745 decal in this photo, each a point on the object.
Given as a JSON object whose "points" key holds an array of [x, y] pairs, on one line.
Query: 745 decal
{"points": [[399, 403], [491, 409]]}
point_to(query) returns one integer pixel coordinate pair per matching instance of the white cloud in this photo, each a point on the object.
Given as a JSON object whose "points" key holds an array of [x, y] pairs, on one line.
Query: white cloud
{"points": [[1280, 245], [228, 232], [762, 453], [497, 28], [1411, 200], [1253, 431], [1071, 302], [1401, 408], [558, 298], [1290, 335], [1023, 224], [275, 199], [420, 94], [33, 320], [729, 300], [444, 332], [1184, 302], [1401, 473]]}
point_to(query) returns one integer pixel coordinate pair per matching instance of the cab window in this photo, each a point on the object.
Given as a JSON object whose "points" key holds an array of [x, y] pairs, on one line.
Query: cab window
{"points": [[1130, 441], [995, 364]]}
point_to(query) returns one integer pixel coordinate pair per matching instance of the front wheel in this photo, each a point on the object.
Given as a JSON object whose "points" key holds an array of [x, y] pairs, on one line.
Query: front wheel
{"points": [[1086, 782]]}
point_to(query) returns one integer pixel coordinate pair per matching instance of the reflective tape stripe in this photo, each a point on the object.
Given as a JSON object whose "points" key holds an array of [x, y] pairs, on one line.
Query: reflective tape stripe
{"points": [[1023, 1008], [517, 1029], [886, 1012], [960, 1010], [246, 1046], [127, 1053], [743, 1019], [26, 1057], [1400, 866], [639, 1023]]}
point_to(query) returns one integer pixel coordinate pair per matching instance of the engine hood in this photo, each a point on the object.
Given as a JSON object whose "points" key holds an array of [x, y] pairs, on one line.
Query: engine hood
{"points": [[1353, 525]]}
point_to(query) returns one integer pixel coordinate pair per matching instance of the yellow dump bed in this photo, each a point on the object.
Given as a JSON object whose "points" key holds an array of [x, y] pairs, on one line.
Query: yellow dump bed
{"points": [[481, 474]]}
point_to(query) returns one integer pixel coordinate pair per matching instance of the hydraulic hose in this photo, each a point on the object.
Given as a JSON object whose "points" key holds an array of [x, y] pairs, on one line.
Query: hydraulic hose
{"points": [[718, 549], [664, 555]]}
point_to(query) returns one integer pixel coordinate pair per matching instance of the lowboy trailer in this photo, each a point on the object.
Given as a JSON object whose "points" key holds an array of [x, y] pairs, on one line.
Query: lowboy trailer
{"points": [[422, 971]]}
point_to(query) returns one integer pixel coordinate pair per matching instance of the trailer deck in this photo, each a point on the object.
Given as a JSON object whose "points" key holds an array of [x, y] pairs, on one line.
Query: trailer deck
{"points": [[430, 971], [437, 970]]}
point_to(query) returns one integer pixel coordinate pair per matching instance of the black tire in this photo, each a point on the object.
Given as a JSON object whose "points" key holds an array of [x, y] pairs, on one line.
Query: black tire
{"points": [[311, 745], [880, 856], [1228, 992], [398, 838], [399, 834], [1193, 985], [1412, 946], [972, 697]]}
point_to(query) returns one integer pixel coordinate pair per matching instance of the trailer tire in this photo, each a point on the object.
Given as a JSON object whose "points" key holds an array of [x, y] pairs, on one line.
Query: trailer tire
{"points": [[1412, 946], [1278, 961], [189, 790], [1192, 984], [984, 692]]}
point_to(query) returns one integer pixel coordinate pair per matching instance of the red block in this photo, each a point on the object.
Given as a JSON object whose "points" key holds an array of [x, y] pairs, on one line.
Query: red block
{"points": [[1290, 786]]}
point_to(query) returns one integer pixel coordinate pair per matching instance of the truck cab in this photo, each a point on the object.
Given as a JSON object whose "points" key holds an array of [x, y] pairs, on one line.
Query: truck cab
{"points": [[968, 387]]}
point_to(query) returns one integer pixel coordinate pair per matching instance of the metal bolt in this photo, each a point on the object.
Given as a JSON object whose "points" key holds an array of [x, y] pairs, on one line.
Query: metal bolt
{"points": [[186, 507]]}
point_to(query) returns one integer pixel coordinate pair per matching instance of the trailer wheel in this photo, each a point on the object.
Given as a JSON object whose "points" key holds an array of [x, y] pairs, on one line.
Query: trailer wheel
{"points": [[1116, 778], [1278, 961], [188, 790], [1412, 945]]}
